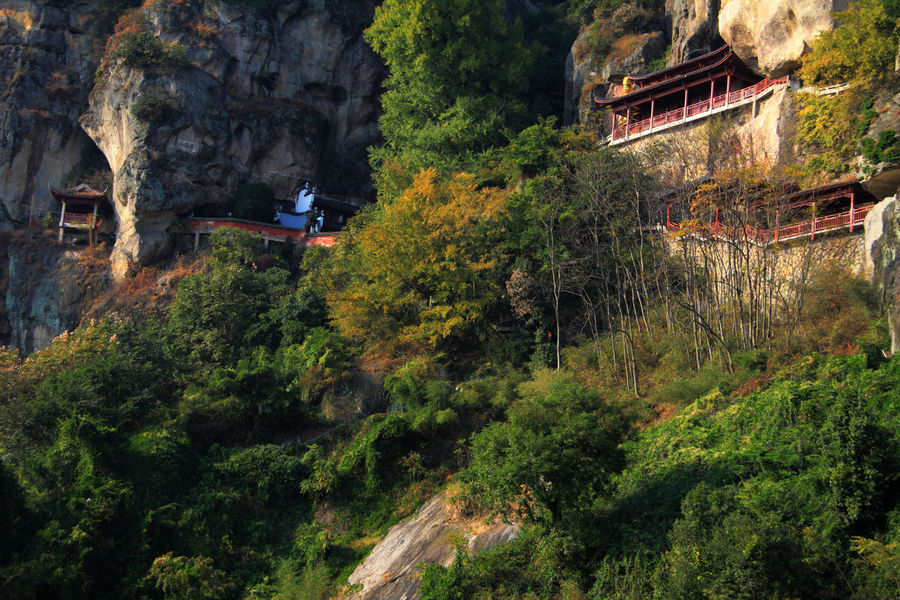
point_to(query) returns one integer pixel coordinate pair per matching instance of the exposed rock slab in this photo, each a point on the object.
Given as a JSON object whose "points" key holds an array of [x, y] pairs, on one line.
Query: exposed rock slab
{"points": [[693, 27], [882, 259], [391, 570], [770, 37]]}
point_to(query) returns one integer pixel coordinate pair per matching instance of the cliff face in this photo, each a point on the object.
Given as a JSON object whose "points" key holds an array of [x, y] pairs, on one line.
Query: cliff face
{"points": [[46, 69], [277, 98], [259, 96], [771, 36]]}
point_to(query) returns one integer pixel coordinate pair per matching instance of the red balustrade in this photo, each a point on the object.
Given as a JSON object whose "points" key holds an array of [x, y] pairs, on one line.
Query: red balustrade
{"points": [[266, 230], [698, 108], [81, 220], [779, 234]]}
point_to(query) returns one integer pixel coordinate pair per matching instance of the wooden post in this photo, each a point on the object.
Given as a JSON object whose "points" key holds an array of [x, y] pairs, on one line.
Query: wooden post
{"points": [[652, 109], [777, 224], [196, 241], [62, 217], [851, 212], [712, 92], [728, 90], [684, 112], [613, 137], [812, 228], [627, 121]]}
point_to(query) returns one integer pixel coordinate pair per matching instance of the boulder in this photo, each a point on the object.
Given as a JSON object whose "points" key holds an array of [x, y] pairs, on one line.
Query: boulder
{"points": [[770, 37], [391, 570], [882, 259]]}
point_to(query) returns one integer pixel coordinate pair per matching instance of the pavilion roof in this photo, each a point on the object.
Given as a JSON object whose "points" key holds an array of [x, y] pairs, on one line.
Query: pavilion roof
{"points": [[81, 193], [678, 76]]}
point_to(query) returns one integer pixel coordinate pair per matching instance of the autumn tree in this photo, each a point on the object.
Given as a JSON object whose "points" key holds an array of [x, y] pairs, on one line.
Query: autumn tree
{"points": [[417, 271], [457, 70], [861, 49]]}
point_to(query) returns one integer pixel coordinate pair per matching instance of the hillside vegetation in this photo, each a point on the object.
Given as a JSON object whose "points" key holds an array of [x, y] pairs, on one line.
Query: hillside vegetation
{"points": [[661, 424]]}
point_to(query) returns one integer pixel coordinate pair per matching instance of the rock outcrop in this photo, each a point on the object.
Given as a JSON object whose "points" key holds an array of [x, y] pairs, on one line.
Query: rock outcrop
{"points": [[693, 26], [770, 37], [882, 259], [631, 54], [46, 68], [261, 95], [47, 290], [391, 571], [277, 98]]}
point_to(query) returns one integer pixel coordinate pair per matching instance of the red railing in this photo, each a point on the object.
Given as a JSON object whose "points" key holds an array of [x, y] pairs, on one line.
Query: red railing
{"points": [[199, 225], [779, 234], [698, 108], [79, 220]]}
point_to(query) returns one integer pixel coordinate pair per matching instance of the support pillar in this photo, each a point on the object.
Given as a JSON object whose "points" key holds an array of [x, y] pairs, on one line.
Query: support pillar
{"points": [[684, 111], [62, 217], [652, 112], [196, 241], [712, 92], [728, 90], [851, 212], [627, 121]]}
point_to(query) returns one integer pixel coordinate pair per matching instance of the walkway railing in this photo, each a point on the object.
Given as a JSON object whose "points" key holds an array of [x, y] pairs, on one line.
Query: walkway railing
{"points": [[765, 237], [79, 220], [630, 131], [269, 232]]}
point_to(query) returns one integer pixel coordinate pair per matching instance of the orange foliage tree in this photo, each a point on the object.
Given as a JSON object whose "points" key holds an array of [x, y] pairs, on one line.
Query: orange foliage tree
{"points": [[416, 271]]}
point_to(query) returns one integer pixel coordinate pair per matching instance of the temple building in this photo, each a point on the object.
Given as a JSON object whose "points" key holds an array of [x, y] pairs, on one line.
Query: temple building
{"points": [[81, 210], [693, 90], [334, 213], [793, 214]]}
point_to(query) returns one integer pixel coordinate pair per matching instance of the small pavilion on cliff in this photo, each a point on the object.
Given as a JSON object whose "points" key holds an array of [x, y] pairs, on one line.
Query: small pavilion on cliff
{"points": [[80, 208], [692, 90]]}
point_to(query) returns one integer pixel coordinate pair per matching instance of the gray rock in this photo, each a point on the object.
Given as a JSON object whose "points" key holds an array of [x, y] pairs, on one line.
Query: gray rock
{"points": [[882, 259], [693, 28], [391, 570]]}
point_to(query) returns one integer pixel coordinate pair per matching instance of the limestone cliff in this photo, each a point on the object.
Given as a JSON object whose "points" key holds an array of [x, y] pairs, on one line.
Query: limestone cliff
{"points": [[261, 94], [770, 37], [882, 259], [693, 28], [46, 68]]}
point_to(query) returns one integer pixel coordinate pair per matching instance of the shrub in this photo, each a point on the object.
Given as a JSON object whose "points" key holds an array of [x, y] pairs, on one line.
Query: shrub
{"points": [[155, 104], [146, 52]]}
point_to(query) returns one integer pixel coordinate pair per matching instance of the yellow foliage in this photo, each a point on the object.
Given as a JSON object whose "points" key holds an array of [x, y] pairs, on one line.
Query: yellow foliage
{"points": [[415, 272]]}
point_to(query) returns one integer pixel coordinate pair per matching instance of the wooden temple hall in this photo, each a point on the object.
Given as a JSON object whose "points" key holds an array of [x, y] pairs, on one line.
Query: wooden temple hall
{"points": [[793, 214], [690, 91], [82, 210]]}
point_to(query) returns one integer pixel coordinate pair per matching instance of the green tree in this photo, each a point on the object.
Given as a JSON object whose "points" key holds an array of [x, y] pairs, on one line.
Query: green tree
{"points": [[456, 73], [418, 271], [861, 49], [189, 578], [553, 457]]}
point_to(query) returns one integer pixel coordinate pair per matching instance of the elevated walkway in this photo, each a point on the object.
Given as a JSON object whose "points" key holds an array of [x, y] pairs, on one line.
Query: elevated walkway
{"points": [[850, 220], [694, 112], [268, 231]]}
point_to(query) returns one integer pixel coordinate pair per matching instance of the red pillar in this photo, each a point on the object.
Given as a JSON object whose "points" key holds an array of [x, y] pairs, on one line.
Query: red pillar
{"points": [[851, 212], [684, 112], [627, 121], [712, 92], [728, 90], [652, 109]]}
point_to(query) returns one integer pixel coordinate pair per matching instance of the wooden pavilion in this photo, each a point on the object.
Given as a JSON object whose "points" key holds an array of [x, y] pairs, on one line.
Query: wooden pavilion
{"points": [[692, 90], [79, 209]]}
